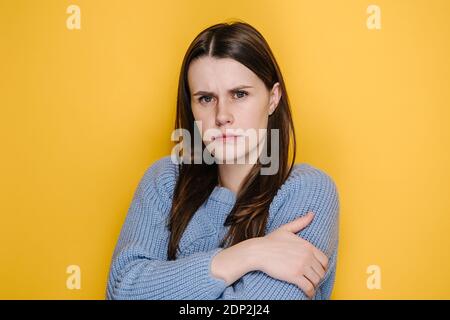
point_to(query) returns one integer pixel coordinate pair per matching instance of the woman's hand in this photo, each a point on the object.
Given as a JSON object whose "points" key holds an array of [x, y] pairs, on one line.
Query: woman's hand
{"points": [[285, 256]]}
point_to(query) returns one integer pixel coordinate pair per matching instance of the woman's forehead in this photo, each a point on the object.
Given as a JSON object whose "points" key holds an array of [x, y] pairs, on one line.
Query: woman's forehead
{"points": [[210, 74]]}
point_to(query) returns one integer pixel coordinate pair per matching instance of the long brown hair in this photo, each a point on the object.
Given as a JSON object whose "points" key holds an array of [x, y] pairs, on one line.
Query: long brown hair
{"points": [[248, 218]]}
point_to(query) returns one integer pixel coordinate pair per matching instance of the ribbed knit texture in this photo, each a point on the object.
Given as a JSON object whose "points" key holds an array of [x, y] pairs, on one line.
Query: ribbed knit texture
{"points": [[140, 270]]}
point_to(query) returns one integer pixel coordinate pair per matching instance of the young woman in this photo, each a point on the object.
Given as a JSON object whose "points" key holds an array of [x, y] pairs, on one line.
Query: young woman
{"points": [[228, 229]]}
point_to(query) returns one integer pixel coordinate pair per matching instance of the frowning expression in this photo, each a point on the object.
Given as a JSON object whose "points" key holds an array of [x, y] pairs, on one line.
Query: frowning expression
{"points": [[229, 101]]}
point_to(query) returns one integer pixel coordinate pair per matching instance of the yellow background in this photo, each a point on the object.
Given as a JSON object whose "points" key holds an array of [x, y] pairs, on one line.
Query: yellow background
{"points": [[85, 112]]}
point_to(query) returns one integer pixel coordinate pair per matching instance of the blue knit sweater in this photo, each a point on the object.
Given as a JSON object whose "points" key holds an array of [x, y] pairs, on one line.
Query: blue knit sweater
{"points": [[140, 270]]}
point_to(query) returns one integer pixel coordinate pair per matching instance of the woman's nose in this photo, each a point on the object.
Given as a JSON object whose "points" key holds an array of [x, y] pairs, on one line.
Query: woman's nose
{"points": [[223, 115]]}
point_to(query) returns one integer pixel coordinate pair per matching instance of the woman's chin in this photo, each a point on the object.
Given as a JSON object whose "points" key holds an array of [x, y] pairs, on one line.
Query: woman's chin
{"points": [[236, 158]]}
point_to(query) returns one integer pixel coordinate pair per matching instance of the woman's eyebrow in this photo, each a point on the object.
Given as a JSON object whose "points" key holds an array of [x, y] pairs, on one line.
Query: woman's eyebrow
{"points": [[231, 90]]}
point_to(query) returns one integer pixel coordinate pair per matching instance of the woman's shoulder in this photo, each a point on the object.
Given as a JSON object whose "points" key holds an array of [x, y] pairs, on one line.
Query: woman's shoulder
{"points": [[161, 177], [305, 177]]}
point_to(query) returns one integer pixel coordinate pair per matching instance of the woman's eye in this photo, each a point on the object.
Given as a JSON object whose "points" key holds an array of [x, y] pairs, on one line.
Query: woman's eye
{"points": [[205, 97], [208, 99], [241, 94]]}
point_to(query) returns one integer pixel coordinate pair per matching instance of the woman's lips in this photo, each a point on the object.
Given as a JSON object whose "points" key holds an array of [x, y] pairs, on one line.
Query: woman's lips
{"points": [[227, 138]]}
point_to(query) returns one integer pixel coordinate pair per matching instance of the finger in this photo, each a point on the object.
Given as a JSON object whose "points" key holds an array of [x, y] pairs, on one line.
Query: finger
{"points": [[299, 223], [318, 268], [306, 286], [312, 276], [323, 259]]}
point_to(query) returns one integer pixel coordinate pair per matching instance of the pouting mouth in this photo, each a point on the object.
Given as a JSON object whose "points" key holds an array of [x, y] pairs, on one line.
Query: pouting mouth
{"points": [[224, 136]]}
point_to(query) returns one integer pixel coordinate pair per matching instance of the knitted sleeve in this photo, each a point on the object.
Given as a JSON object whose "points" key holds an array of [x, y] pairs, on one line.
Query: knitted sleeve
{"points": [[139, 268], [308, 189]]}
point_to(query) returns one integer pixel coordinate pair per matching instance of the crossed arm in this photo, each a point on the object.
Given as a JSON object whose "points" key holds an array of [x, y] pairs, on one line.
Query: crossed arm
{"points": [[140, 270]]}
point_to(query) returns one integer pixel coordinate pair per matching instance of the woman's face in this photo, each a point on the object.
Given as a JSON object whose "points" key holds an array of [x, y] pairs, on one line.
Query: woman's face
{"points": [[228, 98]]}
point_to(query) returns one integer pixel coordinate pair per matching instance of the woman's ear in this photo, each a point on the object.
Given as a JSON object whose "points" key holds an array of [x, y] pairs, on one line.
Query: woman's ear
{"points": [[275, 96]]}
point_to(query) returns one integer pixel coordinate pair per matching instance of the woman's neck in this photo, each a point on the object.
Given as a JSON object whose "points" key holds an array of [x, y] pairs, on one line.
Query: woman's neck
{"points": [[232, 175]]}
